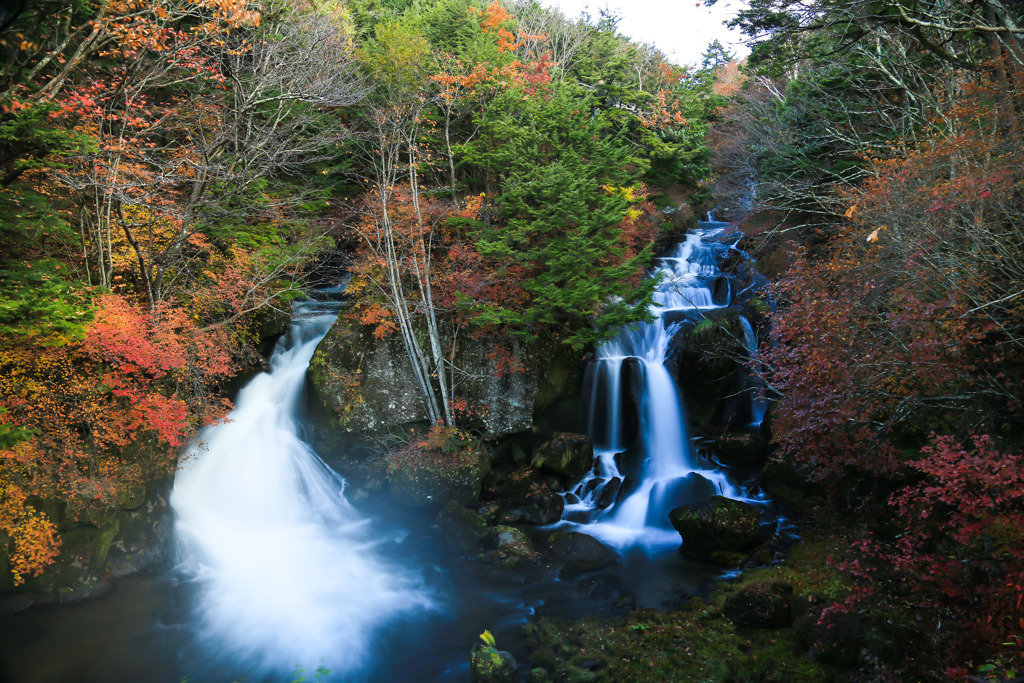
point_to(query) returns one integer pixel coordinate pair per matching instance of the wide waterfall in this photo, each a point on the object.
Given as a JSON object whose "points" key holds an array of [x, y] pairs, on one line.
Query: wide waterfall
{"points": [[635, 406], [287, 571]]}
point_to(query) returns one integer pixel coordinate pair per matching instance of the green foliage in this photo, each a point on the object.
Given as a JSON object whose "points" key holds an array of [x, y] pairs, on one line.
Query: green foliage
{"points": [[28, 137], [558, 226], [36, 301]]}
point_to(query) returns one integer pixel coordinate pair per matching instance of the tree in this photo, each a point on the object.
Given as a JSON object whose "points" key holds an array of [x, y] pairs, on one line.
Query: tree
{"points": [[560, 218]]}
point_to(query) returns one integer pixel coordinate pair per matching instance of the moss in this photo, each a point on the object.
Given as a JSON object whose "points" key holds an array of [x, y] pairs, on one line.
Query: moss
{"points": [[80, 565], [696, 642]]}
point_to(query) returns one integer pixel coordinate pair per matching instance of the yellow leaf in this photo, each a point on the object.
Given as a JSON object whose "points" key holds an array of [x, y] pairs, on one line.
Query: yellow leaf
{"points": [[849, 212], [873, 237]]}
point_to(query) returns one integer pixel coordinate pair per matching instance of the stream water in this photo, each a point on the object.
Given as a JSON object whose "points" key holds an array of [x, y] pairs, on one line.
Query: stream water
{"points": [[274, 571]]}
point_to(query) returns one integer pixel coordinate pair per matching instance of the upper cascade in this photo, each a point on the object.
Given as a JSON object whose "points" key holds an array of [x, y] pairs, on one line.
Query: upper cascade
{"points": [[636, 411]]}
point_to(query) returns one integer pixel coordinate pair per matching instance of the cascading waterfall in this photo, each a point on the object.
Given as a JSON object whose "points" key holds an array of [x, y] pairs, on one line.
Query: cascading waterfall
{"points": [[287, 571], [758, 401], [669, 475]]}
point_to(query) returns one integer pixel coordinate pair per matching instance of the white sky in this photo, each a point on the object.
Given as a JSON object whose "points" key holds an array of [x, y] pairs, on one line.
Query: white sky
{"points": [[681, 29]]}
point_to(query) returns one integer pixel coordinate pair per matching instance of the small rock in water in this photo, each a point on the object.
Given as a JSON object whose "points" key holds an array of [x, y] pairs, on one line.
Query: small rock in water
{"points": [[490, 665], [578, 552], [607, 495]]}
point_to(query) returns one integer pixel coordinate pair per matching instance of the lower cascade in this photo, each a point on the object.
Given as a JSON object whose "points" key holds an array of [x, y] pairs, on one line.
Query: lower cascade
{"points": [[635, 413], [286, 569]]}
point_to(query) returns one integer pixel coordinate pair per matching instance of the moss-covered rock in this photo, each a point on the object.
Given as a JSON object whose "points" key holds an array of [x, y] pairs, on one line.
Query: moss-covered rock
{"points": [[741, 449], [708, 360], [566, 454], [719, 529], [429, 478], [97, 545], [464, 530], [513, 548], [490, 665]]}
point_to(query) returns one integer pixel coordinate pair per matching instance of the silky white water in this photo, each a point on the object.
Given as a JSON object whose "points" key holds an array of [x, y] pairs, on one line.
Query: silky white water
{"points": [[287, 571], [669, 473]]}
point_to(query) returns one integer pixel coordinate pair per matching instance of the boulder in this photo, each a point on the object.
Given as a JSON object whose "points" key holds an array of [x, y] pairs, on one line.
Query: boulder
{"points": [[542, 507], [367, 385], [464, 530], [565, 454], [665, 496], [513, 548], [431, 479], [761, 606], [719, 529], [577, 552]]}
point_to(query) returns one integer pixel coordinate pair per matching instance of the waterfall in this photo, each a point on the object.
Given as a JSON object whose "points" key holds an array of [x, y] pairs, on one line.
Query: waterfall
{"points": [[286, 569], [669, 473], [758, 402]]}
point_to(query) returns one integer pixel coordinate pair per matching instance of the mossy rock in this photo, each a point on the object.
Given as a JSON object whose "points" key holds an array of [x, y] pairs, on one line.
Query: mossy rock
{"points": [[464, 530], [719, 529], [490, 665], [431, 479], [513, 548], [79, 567], [707, 361], [566, 454]]}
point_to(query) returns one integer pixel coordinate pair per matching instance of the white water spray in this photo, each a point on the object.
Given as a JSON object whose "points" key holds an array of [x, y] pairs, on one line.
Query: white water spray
{"points": [[287, 571]]}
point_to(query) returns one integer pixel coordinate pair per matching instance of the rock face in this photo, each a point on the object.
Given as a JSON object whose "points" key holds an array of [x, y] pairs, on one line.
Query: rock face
{"points": [[741, 450], [96, 547], [719, 529], [368, 384]]}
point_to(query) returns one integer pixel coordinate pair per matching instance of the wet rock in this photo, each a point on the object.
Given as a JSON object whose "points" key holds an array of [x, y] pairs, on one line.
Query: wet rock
{"points": [[692, 489], [760, 606], [608, 493], [513, 548], [577, 552], [490, 665], [542, 507], [490, 512], [429, 479], [566, 454], [741, 450], [464, 530], [719, 529]]}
